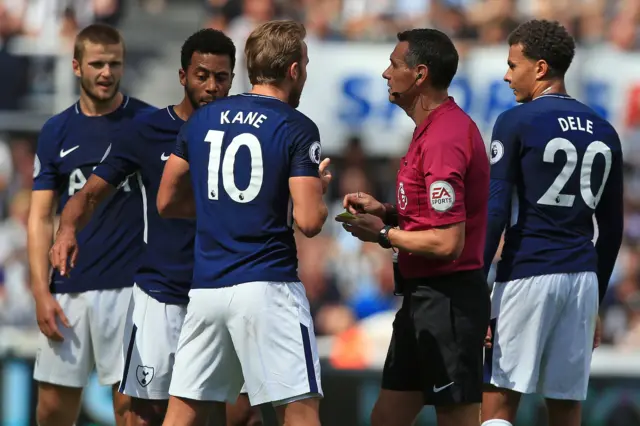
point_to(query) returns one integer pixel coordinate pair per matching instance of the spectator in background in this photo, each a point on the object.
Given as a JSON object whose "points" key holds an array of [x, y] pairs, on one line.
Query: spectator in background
{"points": [[13, 70], [16, 303]]}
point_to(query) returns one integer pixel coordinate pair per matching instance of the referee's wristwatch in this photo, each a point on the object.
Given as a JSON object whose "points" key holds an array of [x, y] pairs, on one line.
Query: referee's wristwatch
{"points": [[383, 237]]}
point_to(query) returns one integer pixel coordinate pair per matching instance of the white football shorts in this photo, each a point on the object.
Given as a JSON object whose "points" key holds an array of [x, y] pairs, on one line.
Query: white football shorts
{"points": [[150, 341], [543, 334], [259, 333], [97, 319]]}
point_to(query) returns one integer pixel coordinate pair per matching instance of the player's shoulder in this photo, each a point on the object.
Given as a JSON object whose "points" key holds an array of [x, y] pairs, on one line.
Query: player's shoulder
{"points": [[512, 117], [150, 117], [55, 124], [298, 118], [136, 106], [248, 106]]}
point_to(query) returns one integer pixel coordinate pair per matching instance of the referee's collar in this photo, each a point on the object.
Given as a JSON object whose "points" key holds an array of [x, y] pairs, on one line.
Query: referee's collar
{"points": [[447, 105]]}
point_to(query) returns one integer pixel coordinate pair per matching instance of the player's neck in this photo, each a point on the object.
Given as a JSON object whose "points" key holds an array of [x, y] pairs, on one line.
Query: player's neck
{"points": [[184, 109], [426, 104], [272, 91], [92, 108], [550, 88]]}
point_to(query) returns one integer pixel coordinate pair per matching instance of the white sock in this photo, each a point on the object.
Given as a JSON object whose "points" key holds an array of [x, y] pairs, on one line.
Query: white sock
{"points": [[496, 422]]}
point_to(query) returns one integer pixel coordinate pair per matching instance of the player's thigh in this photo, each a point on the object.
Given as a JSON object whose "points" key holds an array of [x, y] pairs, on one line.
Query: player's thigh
{"points": [[451, 316], [107, 320], [523, 314], [146, 412], [150, 343], [241, 413], [70, 362], [567, 358], [300, 412], [206, 366], [271, 325]]}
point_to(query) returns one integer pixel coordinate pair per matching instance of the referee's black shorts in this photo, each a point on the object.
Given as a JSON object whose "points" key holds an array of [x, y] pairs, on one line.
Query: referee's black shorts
{"points": [[438, 339]]}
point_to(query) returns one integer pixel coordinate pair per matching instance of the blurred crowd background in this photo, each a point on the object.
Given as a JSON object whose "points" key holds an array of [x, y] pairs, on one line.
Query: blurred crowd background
{"points": [[348, 283]]}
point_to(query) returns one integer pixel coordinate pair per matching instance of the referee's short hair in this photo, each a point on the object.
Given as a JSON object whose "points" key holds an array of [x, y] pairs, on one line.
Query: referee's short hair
{"points": [[436, 51]]}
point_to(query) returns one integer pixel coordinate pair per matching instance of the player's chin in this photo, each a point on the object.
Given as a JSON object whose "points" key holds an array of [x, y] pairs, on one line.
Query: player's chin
{"points": [[104, 92]]}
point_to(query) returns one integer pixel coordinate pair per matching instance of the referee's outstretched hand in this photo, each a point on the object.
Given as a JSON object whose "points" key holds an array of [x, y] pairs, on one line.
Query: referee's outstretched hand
{"points": [[360, 202]]}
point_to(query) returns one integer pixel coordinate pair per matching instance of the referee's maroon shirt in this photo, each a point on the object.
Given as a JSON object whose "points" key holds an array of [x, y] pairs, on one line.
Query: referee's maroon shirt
{"points": [[444, 179]]}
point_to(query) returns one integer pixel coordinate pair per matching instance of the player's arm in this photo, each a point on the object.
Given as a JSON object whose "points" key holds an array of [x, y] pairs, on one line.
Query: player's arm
{"points": [[39, 238], [444, 166], [122, 160], [610, 221], [175, 195], [305, 186], [40, 225], [504, 153]]}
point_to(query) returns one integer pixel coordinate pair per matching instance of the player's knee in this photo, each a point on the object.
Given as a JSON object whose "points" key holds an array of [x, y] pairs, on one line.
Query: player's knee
{"points": [[49, 414], [57, 406]]}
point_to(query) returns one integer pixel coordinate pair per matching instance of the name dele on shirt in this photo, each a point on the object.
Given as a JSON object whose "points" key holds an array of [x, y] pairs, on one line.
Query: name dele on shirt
{"points": [[254, 119], [574, 123]]}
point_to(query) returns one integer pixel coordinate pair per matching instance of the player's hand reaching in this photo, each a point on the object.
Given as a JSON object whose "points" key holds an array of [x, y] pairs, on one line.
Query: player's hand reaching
{"points": [[48, 310], [360, 202], [64, 252], [597, 336], [488, 338], [325, 175]]}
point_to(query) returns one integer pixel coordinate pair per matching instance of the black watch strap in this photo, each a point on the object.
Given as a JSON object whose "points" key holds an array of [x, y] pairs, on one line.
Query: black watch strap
{"points": [[383, 237]]}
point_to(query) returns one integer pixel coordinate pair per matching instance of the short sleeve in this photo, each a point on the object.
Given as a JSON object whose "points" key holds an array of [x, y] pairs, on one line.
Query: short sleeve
{"points": [[182, 149], [305, 149], [123, 158], [504, 149], [444, 164], [45, 170]]}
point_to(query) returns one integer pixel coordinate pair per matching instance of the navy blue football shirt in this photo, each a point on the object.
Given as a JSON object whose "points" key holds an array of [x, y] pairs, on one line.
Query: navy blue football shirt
{"points": [[242, 150], [555, 163], [142, 148], [70, 146]]}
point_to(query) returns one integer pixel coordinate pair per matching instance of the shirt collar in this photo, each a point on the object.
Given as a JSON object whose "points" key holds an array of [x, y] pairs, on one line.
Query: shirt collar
{"points": [[447, 105]]}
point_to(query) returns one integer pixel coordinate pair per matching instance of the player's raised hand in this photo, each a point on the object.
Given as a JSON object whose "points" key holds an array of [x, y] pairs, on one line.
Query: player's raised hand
{"points": [[325, 174], [48, 310], [64, 252], [360, 202]]}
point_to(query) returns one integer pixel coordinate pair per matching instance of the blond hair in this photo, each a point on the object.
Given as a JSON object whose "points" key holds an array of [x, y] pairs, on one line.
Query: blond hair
{"points": [[102, 34], [271, 49]]}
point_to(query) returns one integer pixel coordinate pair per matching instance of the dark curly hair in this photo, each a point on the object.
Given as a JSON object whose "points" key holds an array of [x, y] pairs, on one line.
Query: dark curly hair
{"points": [[207, 41], [434, 49], [548, 41]]}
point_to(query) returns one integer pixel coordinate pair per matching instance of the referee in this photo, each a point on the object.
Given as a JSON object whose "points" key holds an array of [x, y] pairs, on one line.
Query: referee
{"points": [[438, 227]]}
